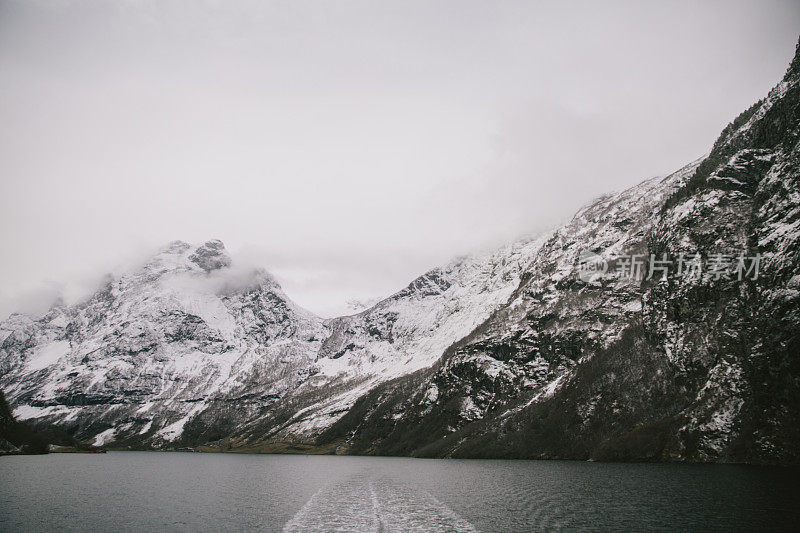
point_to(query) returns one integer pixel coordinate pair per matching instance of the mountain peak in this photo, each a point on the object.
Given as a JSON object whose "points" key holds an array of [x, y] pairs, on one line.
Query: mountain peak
{"points": [[180, 255], [211, 256]]}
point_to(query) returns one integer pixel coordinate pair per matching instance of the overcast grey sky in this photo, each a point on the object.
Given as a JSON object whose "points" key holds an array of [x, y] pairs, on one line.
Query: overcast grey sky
{"points": [[347, 146]]}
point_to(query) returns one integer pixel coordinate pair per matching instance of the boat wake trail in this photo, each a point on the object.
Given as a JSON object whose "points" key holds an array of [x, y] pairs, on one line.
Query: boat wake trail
{"points": [[368, 505]]}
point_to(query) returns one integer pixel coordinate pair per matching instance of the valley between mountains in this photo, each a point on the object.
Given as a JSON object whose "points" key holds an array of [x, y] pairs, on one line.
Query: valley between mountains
{"points": [[509, 354]]}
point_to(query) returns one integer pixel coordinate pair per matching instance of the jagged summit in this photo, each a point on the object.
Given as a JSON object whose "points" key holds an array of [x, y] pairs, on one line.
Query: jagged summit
{"points": [[180, 255], [211, 256]]}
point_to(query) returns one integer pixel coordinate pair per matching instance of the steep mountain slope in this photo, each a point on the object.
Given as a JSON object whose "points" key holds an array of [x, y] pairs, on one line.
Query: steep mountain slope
{"points": [[611, 366], [525, 350]]}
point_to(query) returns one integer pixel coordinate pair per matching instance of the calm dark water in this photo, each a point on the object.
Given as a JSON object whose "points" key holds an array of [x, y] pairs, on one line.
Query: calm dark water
{"points": [[136, 491]]}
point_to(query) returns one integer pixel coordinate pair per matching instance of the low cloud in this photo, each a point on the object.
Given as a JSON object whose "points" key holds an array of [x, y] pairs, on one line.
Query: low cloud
{"points": [[353, 145]]}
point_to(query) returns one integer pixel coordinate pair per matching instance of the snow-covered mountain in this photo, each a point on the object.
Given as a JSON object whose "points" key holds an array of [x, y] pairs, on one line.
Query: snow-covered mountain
{"points": [[157, 346], [189, 338], [521, 352]]}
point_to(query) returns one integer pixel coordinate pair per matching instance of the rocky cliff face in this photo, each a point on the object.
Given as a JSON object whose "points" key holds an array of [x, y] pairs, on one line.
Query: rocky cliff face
{"points": [[16, 437], [672, 346]]}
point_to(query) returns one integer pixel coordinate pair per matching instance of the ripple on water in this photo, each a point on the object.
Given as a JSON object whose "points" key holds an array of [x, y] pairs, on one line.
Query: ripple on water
{"points": [[365, 503]]}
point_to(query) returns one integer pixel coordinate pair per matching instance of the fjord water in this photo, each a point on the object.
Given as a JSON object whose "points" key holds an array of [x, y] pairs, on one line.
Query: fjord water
{"points": [[135, 491]]}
